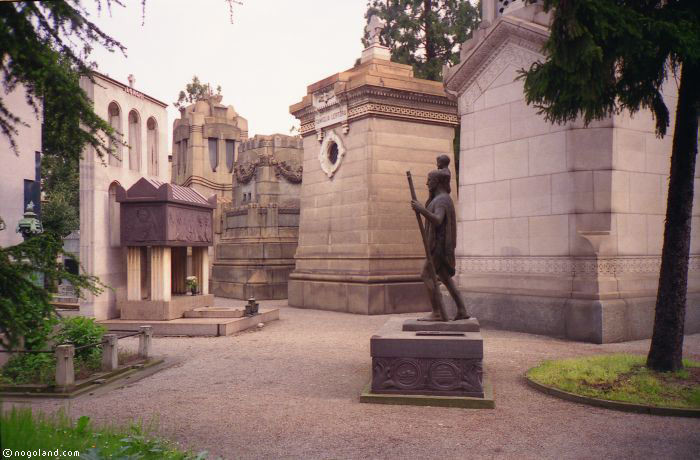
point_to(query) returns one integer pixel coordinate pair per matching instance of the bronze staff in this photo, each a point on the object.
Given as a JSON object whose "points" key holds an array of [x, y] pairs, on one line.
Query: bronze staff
{"points": [[431, 267]]}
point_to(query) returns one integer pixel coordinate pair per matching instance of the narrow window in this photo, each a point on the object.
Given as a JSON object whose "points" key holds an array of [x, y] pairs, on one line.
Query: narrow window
{"points": [[134, 141], [213, 153], [152, 146], [115, 121], [230, 153]]}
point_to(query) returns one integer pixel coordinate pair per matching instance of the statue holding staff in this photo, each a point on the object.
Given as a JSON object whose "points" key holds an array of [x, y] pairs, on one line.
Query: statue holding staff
{"points": [[440, 240]]}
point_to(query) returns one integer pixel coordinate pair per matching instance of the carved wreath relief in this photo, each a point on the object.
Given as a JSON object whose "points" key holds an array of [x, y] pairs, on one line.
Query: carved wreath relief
{"points": [[331, 154], [448, 376]]}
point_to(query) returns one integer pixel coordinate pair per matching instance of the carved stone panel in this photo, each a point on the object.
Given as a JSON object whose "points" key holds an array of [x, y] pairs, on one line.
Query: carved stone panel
{"points": [[428, 376], [190, 226], [141, 224]]}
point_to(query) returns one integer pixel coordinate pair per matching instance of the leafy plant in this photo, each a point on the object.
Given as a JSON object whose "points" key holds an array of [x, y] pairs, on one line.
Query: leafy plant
{"points": [[29, 368], [195, 91], [20, 429], [81, 330]]}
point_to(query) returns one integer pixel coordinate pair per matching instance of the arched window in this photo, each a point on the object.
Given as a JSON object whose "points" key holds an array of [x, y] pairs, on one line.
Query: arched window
{"points": [[230, 153], [113, 209], [152, 146], [115, 121], [213, 153], [134, 141]]}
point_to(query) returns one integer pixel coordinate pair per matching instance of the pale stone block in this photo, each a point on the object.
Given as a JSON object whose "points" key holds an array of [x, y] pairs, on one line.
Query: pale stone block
{"points": [[655, 234], [646, 195], [525, 122], [594, 222], [695, 235], [547, 153], [65, 369], [145, 341], [611, 191], [476, 165], [466, 206], [492, 126], [631, 234], [630, 152], [572, 192], [477, 237], [549, 235], [589, 148], [510, 159], [466, 133], [493, 200], [510, 237], [110, 357], [503, 94], [531, 196]]}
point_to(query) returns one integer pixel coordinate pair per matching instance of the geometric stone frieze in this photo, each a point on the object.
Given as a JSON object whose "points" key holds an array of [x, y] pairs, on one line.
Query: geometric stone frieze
{"points": [[447, 376], [592, 266]]}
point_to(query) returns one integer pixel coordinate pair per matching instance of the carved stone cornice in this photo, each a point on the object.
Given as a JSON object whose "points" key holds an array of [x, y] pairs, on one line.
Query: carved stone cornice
{"points": [[506, 29]]}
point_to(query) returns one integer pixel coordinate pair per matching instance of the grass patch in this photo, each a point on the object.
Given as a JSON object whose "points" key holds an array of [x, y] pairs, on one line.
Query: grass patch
{"points": [[622, 378], [20, 429]]}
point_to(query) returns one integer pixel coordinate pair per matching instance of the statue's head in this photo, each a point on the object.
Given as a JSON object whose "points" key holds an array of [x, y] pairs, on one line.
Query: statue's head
{"points": [[443, 161], [437, 178]]}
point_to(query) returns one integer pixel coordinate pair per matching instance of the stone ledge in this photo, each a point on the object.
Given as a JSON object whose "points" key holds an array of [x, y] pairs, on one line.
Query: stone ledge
{"points": [[463, 402], [614, 405]]}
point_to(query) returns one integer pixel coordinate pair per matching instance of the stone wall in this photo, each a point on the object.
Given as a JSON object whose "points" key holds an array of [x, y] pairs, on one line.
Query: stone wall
{"points": [[560, 226]]}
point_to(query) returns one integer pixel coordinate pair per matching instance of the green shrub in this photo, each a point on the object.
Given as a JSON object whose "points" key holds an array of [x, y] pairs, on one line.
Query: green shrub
{"points": [[29, 368], [80, 331]]}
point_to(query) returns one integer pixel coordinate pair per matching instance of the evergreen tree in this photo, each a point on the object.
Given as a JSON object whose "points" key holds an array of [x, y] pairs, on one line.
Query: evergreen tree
{"points": [[606, 56], [425, 34]]}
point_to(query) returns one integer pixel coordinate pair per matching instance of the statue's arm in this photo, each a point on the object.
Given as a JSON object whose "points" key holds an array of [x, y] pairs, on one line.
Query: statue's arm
{"points": [[435, 218]]}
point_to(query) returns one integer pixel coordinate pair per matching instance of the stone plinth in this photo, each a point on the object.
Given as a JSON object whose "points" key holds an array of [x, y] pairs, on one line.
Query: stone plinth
{"points": [[255, 253], [359, 246], [560, 227], [161, 310], [442, 363]]}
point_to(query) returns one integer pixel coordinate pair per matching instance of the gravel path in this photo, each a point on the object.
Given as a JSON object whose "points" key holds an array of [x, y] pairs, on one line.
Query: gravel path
{"points": [[291, 389]]}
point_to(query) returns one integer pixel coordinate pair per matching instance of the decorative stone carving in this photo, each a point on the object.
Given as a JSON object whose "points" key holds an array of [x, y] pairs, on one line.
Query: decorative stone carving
{"points": [[331, 154], [291, 172], [245, 171], [427, 376]]}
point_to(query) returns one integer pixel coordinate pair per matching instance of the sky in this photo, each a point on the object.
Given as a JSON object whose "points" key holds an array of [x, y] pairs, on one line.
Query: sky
{"points": [[263, 61]]}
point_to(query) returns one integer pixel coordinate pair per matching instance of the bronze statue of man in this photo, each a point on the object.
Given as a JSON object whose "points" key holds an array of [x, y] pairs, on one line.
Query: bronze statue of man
{"points": [[441, 235]]}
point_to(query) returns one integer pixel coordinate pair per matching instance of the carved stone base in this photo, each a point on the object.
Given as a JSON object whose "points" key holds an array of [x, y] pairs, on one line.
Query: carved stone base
{"points": [[406, 362], [160, 310]]}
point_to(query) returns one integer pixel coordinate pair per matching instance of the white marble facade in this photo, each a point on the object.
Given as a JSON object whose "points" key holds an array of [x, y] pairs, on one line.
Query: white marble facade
{"points": [[142, 121], [560, 226]]}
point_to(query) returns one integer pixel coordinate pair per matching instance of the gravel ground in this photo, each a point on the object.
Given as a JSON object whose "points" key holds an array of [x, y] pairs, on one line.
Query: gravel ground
{"points": [[291, 390]]}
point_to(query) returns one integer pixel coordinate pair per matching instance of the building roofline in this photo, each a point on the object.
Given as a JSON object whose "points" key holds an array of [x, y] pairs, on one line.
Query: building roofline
{"points": [[129, 89]]}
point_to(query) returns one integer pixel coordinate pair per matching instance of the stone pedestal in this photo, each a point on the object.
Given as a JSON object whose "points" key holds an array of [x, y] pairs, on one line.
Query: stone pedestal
{"points": [[360, 250], [444, 359]]}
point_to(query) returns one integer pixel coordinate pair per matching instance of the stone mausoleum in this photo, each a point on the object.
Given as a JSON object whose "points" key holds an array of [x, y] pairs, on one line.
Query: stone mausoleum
{"points": [[560, 226], [255, 253], [159, 222], [360, 250]]}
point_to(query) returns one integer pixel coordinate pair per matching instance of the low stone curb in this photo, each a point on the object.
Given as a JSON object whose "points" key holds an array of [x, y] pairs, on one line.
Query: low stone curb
{"points": [[463, 402], [614, 405], [90, 384]]}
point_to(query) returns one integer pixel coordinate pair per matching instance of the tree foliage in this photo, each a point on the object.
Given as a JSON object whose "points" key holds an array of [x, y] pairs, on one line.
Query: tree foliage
{"points": [[606, 56], [425, 34], [195, 91]]}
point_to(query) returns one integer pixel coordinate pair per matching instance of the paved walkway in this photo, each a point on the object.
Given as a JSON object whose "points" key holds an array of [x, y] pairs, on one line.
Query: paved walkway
{"points": [[290, 390]]}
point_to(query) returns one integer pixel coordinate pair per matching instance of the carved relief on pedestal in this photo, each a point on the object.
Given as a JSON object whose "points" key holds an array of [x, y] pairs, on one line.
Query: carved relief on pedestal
{"points": [[331, 153], [427, 375], [189, 226]]}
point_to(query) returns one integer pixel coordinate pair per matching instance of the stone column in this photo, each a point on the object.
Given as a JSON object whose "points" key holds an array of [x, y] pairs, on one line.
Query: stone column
{"points": [[160, 273], [179, 270], [200, 268], [65, 372], [145, 341], [133, 273], [110, 356]]}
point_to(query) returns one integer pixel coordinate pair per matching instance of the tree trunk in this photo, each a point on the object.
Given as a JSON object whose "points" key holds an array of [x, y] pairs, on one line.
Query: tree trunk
{"points": [[666, 351]]}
